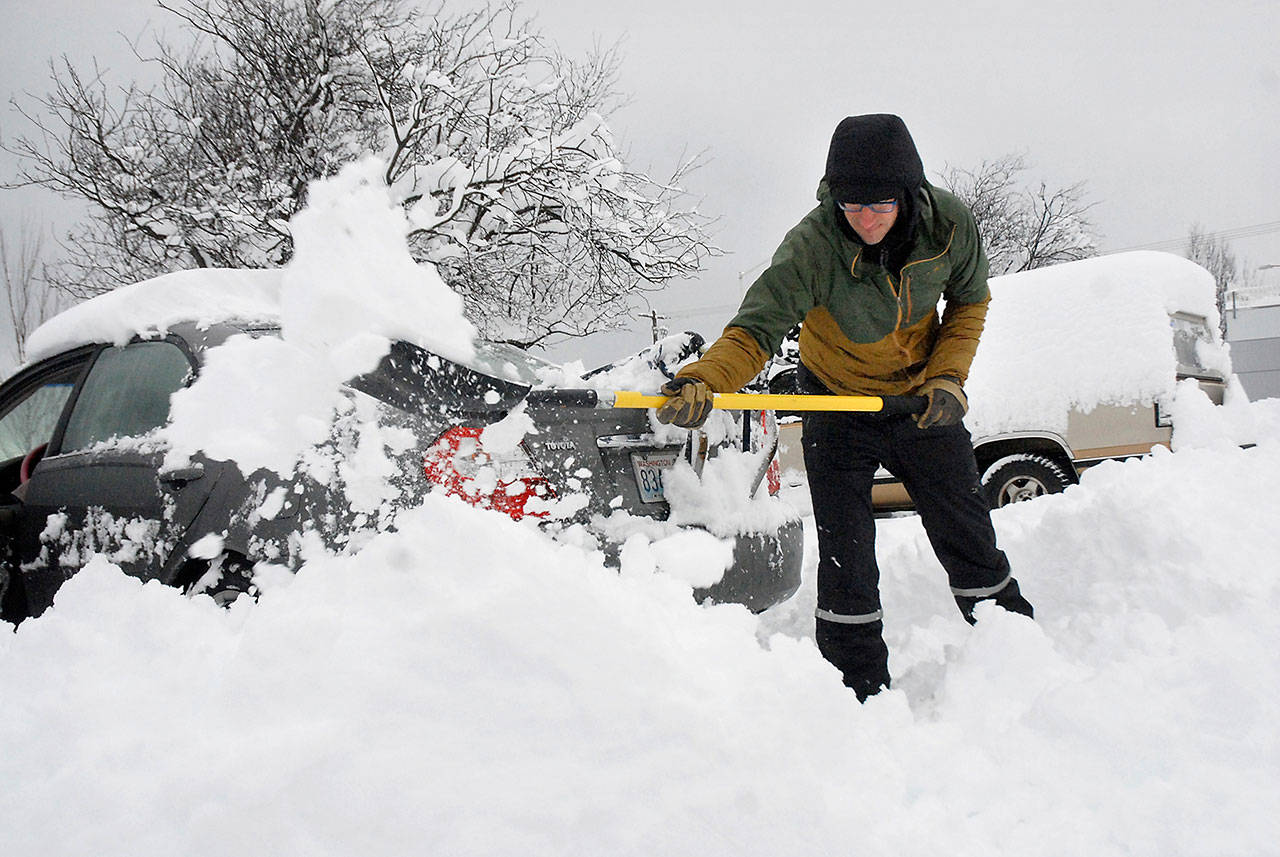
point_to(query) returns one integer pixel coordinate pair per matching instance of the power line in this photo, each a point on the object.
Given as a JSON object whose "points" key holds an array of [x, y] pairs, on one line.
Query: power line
{"points": [[705, 310], [1251, 231]]}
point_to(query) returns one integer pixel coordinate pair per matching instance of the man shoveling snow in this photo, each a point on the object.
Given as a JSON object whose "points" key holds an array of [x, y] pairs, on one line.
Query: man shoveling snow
{"points": [[864, 271]]}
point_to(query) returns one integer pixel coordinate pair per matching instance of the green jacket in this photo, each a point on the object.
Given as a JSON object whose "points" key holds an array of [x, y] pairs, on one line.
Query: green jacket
{"points": [[867, 330]]}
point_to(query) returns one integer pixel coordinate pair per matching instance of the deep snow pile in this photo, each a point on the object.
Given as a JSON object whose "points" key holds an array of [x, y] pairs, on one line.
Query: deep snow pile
{"points": [[467, 686]]}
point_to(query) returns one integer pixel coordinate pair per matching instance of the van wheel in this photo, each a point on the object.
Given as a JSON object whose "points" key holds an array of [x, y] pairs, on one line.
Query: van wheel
{"points": [[223, 579], [1016, 478]]}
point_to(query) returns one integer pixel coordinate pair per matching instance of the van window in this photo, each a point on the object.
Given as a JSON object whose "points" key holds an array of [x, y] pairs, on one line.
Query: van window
{"points": [[126, 393], [1189, 331]]}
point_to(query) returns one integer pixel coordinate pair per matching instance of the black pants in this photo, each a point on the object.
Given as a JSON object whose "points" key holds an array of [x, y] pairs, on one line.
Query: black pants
{"points": [[936, 465]]}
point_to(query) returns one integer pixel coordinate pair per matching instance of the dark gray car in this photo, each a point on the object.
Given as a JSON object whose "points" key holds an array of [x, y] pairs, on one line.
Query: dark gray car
{"points": [[82, 471]]}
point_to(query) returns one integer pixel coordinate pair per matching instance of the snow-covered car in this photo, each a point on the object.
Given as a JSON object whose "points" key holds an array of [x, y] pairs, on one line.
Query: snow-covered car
{"points": [[88, 464], [1079, 364]]}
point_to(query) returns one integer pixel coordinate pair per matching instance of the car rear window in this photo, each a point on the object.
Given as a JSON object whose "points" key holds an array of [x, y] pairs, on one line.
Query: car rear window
{"points": [[508, 363]]}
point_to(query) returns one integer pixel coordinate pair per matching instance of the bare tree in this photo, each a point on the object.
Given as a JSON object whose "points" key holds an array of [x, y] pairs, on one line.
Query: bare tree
{"points": [[1023, 228], [204, 169], [495, 143], [1216, 256], [29, 298]]}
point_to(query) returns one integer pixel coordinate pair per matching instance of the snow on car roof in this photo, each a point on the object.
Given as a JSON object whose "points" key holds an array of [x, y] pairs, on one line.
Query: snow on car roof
{"points": [[205, 296], [1084, 334]]}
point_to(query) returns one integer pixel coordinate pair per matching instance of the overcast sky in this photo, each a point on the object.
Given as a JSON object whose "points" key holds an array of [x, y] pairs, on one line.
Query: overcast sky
{"points": [[1169, 111]]}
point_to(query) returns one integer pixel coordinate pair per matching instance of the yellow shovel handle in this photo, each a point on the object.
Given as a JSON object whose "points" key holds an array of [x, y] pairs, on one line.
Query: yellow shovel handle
{"points": [[761, 402]]}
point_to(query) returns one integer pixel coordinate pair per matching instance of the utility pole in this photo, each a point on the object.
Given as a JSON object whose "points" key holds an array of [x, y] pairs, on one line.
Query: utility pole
{"points": [[654, 318]]}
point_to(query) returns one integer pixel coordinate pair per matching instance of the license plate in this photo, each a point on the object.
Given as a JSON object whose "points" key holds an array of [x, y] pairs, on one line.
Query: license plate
{"points": [[649, 468]]}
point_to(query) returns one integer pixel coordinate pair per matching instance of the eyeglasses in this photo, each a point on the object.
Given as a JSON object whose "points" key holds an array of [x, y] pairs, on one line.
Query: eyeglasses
{"points": [[882, 207]]}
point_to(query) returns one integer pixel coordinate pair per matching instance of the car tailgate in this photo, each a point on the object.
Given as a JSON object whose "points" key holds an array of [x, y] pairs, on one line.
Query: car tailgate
{"points": [[611, 456]]}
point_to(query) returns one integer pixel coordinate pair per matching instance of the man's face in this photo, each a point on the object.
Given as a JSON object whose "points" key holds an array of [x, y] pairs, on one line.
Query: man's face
{"points": [[870, 226]]}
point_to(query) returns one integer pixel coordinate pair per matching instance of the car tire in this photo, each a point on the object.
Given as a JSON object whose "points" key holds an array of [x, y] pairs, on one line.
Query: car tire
{"points": [[224, 578], [1017, 478]]}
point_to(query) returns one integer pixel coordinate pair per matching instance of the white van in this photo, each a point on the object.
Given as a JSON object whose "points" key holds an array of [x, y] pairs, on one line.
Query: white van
{"points": [[1077, 365]]}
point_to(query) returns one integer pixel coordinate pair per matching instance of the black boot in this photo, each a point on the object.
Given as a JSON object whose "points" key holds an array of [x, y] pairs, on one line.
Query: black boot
{"points": [[859, 652], [1010, 598]]}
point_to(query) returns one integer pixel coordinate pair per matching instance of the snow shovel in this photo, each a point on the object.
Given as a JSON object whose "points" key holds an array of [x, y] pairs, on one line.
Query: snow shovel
{"points": [[411, 378]]}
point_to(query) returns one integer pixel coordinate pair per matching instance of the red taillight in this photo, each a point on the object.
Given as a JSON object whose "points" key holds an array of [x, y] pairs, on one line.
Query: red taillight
{"points": [[773, 477], [458, 463], [768, 425]]}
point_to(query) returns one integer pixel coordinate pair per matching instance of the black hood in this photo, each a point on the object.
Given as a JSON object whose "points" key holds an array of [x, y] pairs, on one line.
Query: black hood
{"points": [[871, 158]]}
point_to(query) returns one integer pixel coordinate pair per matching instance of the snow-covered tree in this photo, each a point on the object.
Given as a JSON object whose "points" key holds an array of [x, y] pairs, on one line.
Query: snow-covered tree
{"points": [[1023, 227], [496, 144]]}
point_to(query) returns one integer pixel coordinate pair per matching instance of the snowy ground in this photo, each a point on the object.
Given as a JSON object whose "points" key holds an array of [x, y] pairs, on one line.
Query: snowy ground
{"points": [[467, 686]]}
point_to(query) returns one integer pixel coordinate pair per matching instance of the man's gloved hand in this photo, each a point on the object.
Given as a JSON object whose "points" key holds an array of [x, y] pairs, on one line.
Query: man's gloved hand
{"points": [[947, 403], [689, 405]]}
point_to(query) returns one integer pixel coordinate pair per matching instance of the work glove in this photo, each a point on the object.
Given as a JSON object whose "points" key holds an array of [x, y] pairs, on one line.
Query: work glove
{"points": [[946, 403], [689, 404]]}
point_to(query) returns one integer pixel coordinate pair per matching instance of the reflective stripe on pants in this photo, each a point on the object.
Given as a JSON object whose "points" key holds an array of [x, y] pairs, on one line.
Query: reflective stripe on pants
{"points": [[861, 619], [982, 591]]}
